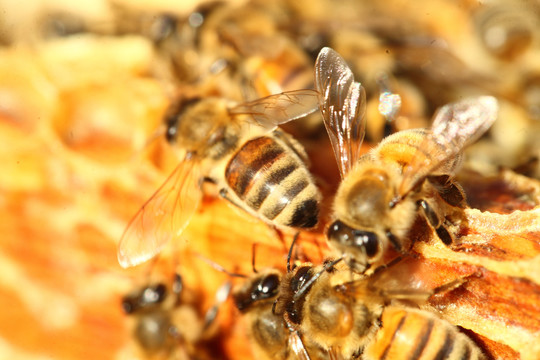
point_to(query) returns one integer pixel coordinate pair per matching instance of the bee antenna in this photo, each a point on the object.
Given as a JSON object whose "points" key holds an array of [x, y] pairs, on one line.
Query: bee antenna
{"points": [[253, 253], [218, 267], [311, 281], [290, 251]]}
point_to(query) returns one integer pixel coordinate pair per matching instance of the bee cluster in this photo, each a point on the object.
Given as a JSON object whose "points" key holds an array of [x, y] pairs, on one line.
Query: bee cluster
{"points": [[403, 250]]}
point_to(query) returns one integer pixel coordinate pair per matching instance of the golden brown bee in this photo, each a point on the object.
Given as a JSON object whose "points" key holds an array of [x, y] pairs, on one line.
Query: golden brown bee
{"points": [[258, 168], [270, 337], [409, 172], [162, 318], [362, 317]]}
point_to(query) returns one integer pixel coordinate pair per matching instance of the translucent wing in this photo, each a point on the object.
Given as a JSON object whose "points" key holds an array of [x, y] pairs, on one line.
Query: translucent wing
{"points": [[342, 102], [163, 217], [297, 346], [278, 109], [409, 279], [455, 126], [333, 354]]}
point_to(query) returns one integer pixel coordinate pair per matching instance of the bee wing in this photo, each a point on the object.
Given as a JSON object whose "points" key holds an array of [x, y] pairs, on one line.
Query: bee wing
{"points": [[333, 354], [409, 279], [297, 346], [277, 109], [342, 102], [163, 217], [455, 126]]}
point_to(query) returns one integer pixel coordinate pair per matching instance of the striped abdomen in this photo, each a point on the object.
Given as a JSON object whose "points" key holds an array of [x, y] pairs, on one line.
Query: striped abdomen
{"points": [[268, 175], [410, 334], [407, 146]]}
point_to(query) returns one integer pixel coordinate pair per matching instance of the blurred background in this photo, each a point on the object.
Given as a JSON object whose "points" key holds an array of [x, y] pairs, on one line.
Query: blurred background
{"points": [[84, 89]]}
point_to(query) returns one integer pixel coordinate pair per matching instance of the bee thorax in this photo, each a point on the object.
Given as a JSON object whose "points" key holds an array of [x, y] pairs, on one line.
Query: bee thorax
{"points": [[367, 201], [331, 316]]}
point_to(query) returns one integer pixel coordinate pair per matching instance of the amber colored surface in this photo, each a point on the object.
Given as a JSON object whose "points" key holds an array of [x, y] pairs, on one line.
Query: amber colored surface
{"points": [[78, 118]]}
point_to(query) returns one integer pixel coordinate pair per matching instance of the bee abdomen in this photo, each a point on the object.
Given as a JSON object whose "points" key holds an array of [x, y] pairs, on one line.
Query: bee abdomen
{"points": [[272, 180], [410, 334], [404, 146]]}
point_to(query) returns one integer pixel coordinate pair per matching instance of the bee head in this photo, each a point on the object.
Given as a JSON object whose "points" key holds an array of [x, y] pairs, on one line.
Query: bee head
{"points": [[202, 126]]}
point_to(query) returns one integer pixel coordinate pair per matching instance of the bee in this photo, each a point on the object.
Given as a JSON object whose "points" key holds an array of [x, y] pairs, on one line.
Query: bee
{"points": [[363, 317], [159, 314], [408, 173], [256, 166], [269, 334], [254, 299]]}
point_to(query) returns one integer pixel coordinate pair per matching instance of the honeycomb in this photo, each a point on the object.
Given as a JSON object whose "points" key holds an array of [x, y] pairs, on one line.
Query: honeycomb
{"points": [[83, 94]]}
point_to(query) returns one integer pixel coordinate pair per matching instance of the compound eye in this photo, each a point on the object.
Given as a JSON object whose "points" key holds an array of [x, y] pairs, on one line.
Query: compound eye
{"points": [[153, 295], [267, 287], [345, 235], [175, 115], [172, 128], [339, 232], [366, 240]]}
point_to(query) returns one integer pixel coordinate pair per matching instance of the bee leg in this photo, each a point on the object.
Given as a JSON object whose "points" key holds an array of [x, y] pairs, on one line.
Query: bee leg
{"points": [[278, 234], [388, 129], [435, 221], [225, 195], [450, 191], [430, 214], [444, 235]]}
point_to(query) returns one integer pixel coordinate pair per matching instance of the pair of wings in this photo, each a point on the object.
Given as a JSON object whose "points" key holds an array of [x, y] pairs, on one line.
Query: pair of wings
{"points": [[168, 211], [343, 104]]}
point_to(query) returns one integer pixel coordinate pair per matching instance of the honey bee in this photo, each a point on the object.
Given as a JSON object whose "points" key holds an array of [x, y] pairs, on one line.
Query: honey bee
{"points": [[409, 172], [269, 334], [160, 314], [254, 299], [363, 318], [256, 166]]}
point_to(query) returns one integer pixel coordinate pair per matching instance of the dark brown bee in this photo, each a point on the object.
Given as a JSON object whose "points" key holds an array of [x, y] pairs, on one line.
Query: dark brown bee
{"points": [[409, 172], [257, 167]]}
